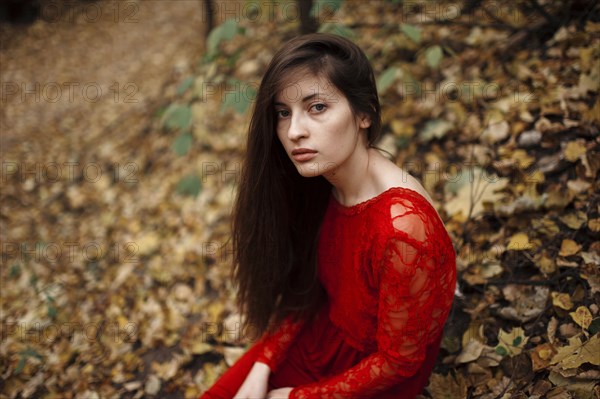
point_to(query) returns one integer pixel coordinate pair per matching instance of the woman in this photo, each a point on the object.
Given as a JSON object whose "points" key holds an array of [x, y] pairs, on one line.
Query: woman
{"points": [[342, 263]]}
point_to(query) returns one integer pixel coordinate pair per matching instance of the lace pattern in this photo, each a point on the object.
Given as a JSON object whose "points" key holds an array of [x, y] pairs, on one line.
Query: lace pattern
{"points": [[391, 261], [275, 346]]}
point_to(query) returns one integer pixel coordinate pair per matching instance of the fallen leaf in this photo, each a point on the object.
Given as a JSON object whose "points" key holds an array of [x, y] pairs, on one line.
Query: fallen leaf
{"points": [[582, 316], [512, 342], [519, 242], [574, 220], [152, 385], [447, 387], [541, 356], [569, 247], [576, 353], [495, 132], [574, 150], [561, 300], [594, 225], [470, 352]]}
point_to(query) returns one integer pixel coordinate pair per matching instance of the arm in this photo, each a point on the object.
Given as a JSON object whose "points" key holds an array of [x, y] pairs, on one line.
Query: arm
{"points": [[275, 346], [414, 299]]}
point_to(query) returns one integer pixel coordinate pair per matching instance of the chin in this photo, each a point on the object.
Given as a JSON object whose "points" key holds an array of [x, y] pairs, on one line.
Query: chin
{"points": [[309, 169]]}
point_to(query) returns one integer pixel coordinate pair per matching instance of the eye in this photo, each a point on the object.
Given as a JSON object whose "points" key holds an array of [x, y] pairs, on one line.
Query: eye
{"points": [[319, 107], [282, 113]]}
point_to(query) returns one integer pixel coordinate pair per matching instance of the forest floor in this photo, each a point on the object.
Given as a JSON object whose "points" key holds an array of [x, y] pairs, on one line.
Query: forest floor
{"points": [[121, 147]]}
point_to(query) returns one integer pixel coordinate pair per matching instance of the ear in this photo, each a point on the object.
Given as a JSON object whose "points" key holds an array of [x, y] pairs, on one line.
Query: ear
{"points": [[364, 121]]}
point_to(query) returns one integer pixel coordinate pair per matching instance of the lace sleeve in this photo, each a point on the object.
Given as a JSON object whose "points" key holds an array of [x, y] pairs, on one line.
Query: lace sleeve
{"points": [[415, 296], [275, 346]]}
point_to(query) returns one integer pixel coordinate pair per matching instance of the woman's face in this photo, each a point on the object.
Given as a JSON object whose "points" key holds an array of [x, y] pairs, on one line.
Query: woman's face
{"points": [[316, 125]]}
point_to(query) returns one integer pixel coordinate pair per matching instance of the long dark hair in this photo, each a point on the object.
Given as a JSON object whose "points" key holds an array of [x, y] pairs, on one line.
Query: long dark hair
{"points": [[277, 213]]}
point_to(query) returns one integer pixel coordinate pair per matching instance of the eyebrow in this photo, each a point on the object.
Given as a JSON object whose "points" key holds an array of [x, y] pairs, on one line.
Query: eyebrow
{"points": [[305, 99]]}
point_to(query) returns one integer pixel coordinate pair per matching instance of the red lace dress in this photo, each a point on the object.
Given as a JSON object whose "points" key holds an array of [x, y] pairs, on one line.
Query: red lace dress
{"points": [[389, 268]]}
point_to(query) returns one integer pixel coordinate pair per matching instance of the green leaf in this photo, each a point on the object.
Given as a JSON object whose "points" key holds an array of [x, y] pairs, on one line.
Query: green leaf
{"points": [[51, 311], [413, 32], [402, 142], [226, 31], [320, 5], [433, 56], [501, 351], [186, 84], [177, 116], [386, 79], [20, 365], [240, 100], [189, 185], [436, 128], [15, 271], [24, 354], [336, 29], [182, 144]]}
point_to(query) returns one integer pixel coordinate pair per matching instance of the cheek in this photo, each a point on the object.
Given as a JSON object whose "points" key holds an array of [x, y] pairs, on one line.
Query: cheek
{"points": [[281, 130]]}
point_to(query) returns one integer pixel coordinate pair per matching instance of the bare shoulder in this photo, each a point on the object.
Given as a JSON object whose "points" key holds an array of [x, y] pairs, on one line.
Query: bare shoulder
{"points": [[394, 176]]}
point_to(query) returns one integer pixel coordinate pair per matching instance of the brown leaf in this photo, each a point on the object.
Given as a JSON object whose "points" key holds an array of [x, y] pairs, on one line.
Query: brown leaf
{"points": [[447, 387], [470, 352], [541, 356]]}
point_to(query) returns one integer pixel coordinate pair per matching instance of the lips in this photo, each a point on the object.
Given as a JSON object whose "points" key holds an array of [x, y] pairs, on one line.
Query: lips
{"points": [[303, 154]]}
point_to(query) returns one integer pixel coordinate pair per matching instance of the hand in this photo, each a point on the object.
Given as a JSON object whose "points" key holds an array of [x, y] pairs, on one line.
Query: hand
{"points": [[256, 383], [280, 393]]}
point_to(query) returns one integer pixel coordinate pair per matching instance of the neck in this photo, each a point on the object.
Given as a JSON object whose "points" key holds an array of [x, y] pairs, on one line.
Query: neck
{"points": [[354, 181]]}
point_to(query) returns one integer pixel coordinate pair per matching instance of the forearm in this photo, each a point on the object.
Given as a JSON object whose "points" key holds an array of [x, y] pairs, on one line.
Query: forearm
{"points": [[262, 368]]}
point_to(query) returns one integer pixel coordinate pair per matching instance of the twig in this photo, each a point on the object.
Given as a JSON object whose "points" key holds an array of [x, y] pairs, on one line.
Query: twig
{"points": [[552, 281]]}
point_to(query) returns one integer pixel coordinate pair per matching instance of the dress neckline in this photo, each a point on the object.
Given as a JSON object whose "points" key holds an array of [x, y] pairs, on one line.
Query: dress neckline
{"points": [[361, 206]]}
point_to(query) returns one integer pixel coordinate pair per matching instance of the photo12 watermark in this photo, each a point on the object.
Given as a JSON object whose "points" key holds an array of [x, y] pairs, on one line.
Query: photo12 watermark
{"points": [[69, 252], [68, 92], [69, 11], [48, 333], [53, 172], [268, 11]]}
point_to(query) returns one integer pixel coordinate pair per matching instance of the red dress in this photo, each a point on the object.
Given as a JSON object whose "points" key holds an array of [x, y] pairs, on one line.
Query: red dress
{"points": [[389, 268]]}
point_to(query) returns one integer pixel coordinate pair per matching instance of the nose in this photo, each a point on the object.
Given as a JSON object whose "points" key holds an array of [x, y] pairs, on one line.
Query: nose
{"points": [[297, 128]]}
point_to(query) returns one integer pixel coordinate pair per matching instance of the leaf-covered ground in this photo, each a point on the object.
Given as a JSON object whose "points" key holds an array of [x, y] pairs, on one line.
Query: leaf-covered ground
{"points": [[115, 215]]}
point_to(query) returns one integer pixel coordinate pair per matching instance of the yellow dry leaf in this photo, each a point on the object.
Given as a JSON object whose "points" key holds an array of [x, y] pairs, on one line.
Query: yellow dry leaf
{"points": [[535, 177], [574, 150], [551, 329], [473, 333], [519, 242], [546, 264], [148, 243], [594, 225], [402, 129], [474, 188], [199, 347], [586, 57], [561, 300], [576, 353], [574, 219], [569, 247], [513, 341], [522, 159], [215, 309], [583, 317], [545, 226]]}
